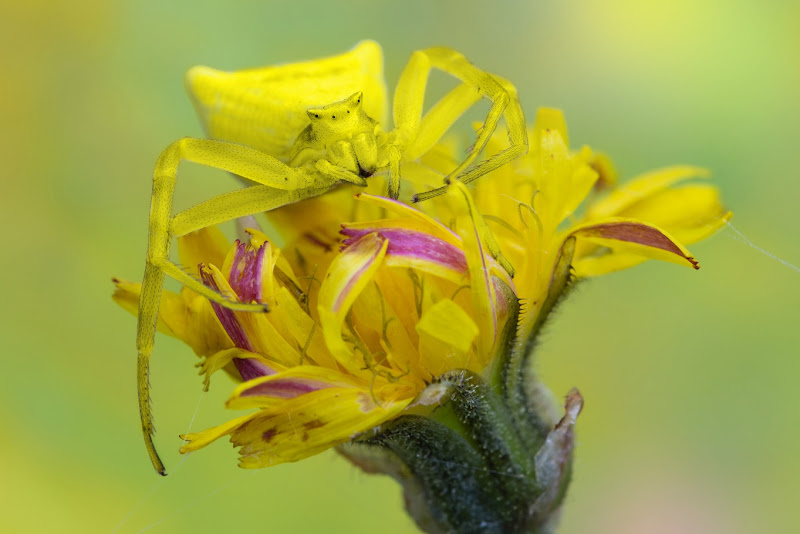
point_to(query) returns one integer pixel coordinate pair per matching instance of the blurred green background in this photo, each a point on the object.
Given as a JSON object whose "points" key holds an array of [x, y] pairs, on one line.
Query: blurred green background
{"points": [[692, 418]]}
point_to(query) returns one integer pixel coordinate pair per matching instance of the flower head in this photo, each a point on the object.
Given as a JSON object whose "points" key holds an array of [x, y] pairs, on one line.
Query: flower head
{"points": [[398, 333]]}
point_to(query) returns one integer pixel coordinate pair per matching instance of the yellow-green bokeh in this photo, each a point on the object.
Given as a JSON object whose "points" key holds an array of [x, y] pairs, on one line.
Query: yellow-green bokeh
{"points": [[692, 416]]}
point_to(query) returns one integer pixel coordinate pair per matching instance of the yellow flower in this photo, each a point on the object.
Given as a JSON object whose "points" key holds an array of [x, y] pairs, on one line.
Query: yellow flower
{"points": [[352, 336], [399, 331]]}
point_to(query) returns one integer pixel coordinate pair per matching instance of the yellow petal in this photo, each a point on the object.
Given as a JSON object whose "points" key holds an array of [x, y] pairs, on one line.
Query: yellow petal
{"points": [[198, 440], [549, 120], [303, 329], [446, 333], [690, 213], [612, 261], [564, 179], [640, 188], [208, 245], [266, 339], [309, 424]]}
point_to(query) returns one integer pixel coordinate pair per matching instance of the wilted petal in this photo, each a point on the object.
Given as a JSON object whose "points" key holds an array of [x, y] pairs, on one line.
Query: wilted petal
{"points": [[607, 175], [554, 458], [632, 236]]}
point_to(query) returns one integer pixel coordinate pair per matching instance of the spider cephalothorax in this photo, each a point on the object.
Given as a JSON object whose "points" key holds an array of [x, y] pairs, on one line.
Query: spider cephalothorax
{"points": [[343, 134]]}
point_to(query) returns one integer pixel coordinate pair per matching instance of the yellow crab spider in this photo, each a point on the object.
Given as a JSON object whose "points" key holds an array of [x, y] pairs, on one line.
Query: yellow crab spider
{"points": [[297, 130]]}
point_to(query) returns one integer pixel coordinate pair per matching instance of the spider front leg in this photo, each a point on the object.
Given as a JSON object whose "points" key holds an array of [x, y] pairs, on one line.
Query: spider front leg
{"points": [[277, 185], [416, 135], [419, 134]]}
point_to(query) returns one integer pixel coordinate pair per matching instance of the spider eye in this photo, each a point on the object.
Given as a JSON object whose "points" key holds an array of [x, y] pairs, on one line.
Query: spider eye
{"points": [[333, 117], [316, 116]]}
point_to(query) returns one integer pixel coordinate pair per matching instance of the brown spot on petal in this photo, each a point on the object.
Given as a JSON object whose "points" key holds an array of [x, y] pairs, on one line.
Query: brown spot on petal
{"points": [[305, 436], [269, 434], [311, 425]]}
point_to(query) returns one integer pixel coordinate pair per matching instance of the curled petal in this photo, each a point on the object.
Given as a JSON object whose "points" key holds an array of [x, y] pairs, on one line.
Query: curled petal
{"points": [[347, 276], [633, 237], [554, 458], [417, 250]]}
